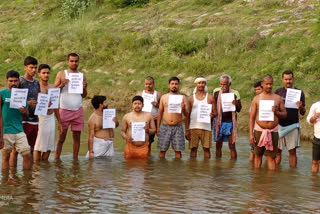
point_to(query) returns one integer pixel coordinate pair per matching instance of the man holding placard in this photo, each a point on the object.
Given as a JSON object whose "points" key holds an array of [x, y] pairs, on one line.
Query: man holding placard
{"points": [[203, 109], [46, 140], [13, 133], [172, 106], [73, 87], [225, 124], [30, 122], [136, 128], [289, 127], [266, 110], [151, 100], [100, 124]]}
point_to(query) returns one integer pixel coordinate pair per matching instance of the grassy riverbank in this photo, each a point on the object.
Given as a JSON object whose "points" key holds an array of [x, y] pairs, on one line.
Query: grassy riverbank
{"points": [[187, 38]]}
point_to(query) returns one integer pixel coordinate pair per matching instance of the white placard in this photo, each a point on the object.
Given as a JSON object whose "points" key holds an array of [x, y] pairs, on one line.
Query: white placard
{"points": [[203, 113], [108, 115], [292, 97], [18, 97], [226, 102], [42, 104], [265, 110], [54, 94], [75, 85], [138, 133], [147, 102], [174, 104]]}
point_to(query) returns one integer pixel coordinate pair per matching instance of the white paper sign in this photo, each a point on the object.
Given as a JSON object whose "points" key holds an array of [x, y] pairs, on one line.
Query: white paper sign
{"points": [[174, 104], [138, 132], [147, 100], [75, 85], [292, 97], [42, 104], [18, 97], [226, 101], [108, 115], [203, 114], [54, 94], [265, 110]]}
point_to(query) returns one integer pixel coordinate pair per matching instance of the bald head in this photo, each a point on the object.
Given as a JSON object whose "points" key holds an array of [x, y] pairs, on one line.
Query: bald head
{"points": [[267, 77]]}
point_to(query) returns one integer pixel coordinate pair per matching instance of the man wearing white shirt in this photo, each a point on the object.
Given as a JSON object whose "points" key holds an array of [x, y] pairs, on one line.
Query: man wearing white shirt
{"points": [[313, 118]]}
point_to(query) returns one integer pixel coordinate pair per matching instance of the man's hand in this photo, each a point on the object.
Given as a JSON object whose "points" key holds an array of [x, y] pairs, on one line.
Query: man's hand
{"points": [[158, 131], [64, 82], [32, 103], [146, 127], [252, 140], [188, 135], [234, 102], [274, 109], [91, 154], [85, 84], [154, 103], [23, 110]]}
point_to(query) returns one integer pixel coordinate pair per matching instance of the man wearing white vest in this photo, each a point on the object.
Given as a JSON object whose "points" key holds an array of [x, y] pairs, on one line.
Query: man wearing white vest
{"points": [[71, 111], [199, 130]]}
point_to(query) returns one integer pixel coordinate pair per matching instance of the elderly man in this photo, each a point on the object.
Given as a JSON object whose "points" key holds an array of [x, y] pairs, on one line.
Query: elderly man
{"points": [[225, 126], [199, 130]]}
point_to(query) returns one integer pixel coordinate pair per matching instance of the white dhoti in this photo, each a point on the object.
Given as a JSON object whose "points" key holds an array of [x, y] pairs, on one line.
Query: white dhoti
{"points": [[46, 139], [102, 148]]}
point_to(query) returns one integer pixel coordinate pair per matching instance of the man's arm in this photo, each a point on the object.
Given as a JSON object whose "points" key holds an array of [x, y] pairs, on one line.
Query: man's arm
{"points": [[84, 94], [313, 115], [302, 104], [152, 126], [252, 119], [160, 113], [280, 112], [57, 114], [91, 127], [124, 128], [187, 119], [212, 101]]}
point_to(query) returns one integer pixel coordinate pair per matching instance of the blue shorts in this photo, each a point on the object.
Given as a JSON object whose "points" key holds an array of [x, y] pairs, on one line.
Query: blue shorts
{"points": [[224, 132]]}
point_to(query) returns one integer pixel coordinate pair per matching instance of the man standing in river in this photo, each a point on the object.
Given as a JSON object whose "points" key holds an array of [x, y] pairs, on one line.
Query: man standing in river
{"points": [[172, 106], [263, 123], [71, 111], [289, 127]]}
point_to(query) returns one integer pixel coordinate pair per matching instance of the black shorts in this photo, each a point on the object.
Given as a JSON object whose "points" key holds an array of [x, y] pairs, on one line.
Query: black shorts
{"points": [[316, 149]]}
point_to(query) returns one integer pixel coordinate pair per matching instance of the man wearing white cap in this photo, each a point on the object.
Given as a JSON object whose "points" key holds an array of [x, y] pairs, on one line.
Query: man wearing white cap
{"points": [[200, 130]]}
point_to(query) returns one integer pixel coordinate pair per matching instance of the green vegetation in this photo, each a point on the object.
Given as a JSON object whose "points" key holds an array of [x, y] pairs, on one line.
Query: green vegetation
{"points": [[119, 44]]}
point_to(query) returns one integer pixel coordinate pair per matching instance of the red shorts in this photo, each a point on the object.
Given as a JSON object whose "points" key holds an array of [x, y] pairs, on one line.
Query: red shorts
{"points": [[75, 118], [31, 130]]}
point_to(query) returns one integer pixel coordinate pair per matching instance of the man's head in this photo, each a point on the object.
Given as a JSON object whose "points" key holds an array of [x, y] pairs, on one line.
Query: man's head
{"points": [[148, 83], [225, 83], [267, 83], [137, 103], [30, 65], [287, 79], [201, 84], [257, 87], [44, 72], [99, 102], [174, 84], [73, 61], [12, 79]]}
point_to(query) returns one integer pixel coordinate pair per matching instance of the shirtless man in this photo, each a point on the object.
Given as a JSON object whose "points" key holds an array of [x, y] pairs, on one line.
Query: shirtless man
{"points": [[46, 137], [71, 111], [137, 149], [100, 141], [171, 130], [263, 135], [149, 90], [199, 130]]}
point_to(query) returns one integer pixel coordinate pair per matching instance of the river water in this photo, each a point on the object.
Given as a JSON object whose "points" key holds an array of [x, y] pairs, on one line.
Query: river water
{"points": [[162, 186]]}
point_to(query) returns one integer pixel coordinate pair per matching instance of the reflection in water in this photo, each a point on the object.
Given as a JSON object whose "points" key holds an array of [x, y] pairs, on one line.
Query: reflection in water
{"points": [[116, 185]]}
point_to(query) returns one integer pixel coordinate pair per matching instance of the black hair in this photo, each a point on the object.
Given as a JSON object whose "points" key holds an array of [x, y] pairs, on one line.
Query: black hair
{"points": [[137, 98], [287, 72], [257, 84], [97, 100], [43, 66], [174, 78], [72, 54], [267, 76], [29, 60], [13, 73], [149, 78]]}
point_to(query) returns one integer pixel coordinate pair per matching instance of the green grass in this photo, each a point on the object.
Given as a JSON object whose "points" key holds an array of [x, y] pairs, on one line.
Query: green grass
{"points": [[186, 38]]}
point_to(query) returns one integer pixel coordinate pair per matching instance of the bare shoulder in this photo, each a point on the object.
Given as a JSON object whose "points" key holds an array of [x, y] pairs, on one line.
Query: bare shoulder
{"points": [[92, 118]]}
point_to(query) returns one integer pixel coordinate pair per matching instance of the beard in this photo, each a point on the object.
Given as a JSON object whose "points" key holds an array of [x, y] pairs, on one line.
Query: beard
{"points": [[174, 90]]}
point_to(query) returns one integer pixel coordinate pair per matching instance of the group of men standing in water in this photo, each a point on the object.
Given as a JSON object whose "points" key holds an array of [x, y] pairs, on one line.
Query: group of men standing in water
{"points": [[272, 125]]}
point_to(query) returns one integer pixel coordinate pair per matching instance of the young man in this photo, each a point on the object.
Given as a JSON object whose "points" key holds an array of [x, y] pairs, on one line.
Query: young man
{"points": [[46, 140], [171, 130], [149, 90], [137, 149], [263, 135], [13, 133], [100, 140], [289, 127], [225, 126], [258, 90], [200, 130], [314, 118], [71, 111], [30, 122]]}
